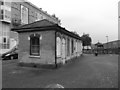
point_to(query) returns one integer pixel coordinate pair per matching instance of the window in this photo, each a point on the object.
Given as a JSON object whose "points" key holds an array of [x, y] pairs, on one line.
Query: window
{"points": [[72, 46], [35, 45], [24, 15], [76, 47], [5, 12], [68, 47], [5, 43], [2, 3], [63, 48], [1, 11], [4, 40], [58, 47]]}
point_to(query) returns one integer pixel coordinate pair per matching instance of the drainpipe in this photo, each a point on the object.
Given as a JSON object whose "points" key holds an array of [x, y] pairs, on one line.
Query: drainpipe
{"points": [[55, 51]]}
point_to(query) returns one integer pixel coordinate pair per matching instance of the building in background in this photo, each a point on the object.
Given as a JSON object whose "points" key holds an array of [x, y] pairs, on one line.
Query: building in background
{"points": [[14, 14], [112, 47]]}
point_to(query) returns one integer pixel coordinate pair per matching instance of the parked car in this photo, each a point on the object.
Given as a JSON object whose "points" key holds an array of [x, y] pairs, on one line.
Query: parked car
{"points": [[13, 54], [10, 56]]}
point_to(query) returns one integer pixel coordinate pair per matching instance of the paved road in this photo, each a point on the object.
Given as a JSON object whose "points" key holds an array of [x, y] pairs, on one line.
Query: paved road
{"points": [[87, 71], [0, 74]]}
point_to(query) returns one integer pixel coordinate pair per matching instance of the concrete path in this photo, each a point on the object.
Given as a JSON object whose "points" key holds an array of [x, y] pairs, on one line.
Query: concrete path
{"points": [[87, 71]]}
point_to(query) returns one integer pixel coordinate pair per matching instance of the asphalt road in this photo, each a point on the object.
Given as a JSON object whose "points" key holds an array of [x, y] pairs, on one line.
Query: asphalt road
{"points": [[0, 74], [87, 71]]}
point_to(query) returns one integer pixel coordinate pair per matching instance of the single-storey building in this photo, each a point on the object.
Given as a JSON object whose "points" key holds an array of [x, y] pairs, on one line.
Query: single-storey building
{"points": [[46, 43]]}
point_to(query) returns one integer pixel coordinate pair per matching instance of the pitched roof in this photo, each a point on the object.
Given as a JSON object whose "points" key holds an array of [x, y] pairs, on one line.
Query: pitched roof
{"points": [[44, 25], [41, 23], [99, 44]]}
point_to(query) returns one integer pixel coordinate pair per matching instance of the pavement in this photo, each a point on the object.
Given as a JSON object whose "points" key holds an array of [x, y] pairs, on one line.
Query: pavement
{"points": [[88, 71]]}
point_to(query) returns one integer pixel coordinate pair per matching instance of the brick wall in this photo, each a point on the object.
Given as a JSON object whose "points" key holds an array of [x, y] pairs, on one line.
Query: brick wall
{"points": [[47, 48], [16, 9]]}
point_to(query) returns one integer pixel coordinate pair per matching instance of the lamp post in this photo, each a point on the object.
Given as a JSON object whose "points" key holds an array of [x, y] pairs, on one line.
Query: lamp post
{"points": [[107, 44]]}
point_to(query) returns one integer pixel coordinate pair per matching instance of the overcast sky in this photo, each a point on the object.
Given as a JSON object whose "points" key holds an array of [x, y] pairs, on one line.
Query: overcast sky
{"points": [[98, 18]]}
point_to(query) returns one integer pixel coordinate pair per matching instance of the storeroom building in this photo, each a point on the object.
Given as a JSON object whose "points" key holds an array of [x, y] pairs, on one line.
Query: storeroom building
{"points": [[46, 43]]}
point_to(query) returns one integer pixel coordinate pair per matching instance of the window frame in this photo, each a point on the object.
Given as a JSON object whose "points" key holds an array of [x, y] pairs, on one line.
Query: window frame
{"points": [[31, 37]]}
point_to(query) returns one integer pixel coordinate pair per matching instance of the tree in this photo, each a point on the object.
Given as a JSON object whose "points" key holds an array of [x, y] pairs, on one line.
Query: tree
{"points": [[86, 40]]}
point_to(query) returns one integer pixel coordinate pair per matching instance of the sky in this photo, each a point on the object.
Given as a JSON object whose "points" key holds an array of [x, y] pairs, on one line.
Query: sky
{"points": [[98, 18]]}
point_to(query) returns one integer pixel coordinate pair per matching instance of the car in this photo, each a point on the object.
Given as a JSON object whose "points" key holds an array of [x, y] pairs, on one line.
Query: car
{"points": [[13, 54], [10, 56]]}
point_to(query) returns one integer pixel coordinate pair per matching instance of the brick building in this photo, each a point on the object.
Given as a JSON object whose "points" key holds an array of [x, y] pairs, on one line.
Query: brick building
{"points": [[14, 14], [112, 47], [46, 43]]}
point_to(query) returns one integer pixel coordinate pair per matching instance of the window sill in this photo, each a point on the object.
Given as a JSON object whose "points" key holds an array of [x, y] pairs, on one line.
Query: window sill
{"points": [[31, 56]]}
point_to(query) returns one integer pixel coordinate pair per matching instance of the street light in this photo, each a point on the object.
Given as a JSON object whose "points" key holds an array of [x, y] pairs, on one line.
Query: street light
{"points": [[107, 44]]}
